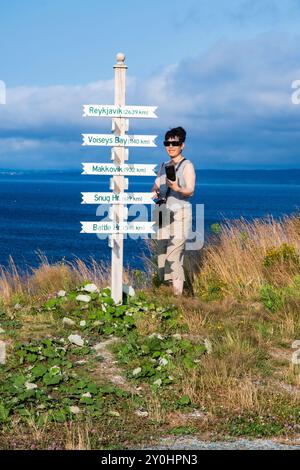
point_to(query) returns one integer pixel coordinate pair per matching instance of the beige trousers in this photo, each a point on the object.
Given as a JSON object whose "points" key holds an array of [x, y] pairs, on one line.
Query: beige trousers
{"points": [[171, 236]]}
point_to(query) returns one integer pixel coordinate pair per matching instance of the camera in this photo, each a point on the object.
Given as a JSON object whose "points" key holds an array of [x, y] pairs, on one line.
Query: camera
{"points": [[160, 201]]}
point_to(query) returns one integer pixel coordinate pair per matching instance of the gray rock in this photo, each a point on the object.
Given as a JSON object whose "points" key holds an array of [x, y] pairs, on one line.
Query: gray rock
{"points": [[76, 339], [141, 413], [2, 352], [91, 288], [75, 410], [208, 345], [68, 322], [30, 386], [83, 298]]}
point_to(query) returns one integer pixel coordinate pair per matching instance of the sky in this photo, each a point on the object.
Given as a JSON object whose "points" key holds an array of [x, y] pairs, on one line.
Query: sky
{"points": [[223, 69]]}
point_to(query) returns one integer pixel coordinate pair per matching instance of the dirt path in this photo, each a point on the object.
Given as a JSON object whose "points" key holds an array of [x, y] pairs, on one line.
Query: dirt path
{"points": [[191, 443]]}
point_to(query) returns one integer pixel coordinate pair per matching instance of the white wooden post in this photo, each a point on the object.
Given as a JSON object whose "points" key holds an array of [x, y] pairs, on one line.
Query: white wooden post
{"points": [[118, 182]]}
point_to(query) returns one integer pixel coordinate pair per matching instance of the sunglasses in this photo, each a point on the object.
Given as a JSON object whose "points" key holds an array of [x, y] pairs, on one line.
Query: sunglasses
{"points": [[173, 143]]}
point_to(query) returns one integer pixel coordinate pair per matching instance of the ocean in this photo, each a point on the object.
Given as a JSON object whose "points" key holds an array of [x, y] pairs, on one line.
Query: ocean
{"points": [[40, 212]]}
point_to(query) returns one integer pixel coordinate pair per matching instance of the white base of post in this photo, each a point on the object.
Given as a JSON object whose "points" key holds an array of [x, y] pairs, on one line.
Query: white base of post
{"points": [[117, 269]]}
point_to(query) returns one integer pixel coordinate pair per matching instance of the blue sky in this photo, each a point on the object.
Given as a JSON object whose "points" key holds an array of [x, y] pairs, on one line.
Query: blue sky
{"points": [[222, 69]]}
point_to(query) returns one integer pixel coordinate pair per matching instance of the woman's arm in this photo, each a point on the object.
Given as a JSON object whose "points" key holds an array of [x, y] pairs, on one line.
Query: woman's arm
{"points": [[190, 180]]}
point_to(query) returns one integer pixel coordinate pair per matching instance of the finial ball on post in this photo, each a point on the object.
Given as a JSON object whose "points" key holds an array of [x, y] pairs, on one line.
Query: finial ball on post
{"points": [[120, 57]]}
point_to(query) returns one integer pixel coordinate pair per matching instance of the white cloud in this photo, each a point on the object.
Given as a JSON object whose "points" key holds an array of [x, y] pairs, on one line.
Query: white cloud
{"points": [[234, 100]]}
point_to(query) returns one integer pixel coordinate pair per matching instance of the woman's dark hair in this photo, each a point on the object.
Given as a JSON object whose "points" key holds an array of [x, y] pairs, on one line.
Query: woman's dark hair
{"points": [[176, 132]]}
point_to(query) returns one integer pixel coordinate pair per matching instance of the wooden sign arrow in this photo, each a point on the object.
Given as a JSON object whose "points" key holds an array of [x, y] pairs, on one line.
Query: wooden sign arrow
{"points": [[110, 140], [117, 198], [114, 227], [112, 111], [111, 169]]}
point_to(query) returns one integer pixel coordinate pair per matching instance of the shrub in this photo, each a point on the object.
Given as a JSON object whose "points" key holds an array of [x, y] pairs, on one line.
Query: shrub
{"points": [[284, 254], [209, 289], [271, 297]]}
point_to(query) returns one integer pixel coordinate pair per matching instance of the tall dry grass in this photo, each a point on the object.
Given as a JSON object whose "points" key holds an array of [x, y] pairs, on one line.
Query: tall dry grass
{"points": [[236, 260], [46, 279]]}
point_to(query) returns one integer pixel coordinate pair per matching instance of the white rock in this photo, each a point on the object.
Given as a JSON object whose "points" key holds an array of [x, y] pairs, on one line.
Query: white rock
{"points": [[156, 335], [98, 346], [17, 307], [81, 362], [2, 352], [68, 322], [30, 386], [177, 336], [163, 361], [1, 330], [129, 290], [83, 298], [157, 382], [141, 413], [169, 351], [87, 395], [82, 323], [137, 371], [61, 293], [208, 345], [91, 288], [75, 410], [76, 339]]}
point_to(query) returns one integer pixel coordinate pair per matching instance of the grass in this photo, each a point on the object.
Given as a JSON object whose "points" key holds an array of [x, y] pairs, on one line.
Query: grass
{"points": [[223, 350]]}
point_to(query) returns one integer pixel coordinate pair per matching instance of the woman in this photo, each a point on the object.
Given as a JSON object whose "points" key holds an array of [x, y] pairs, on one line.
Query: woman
{"points": [[173, 213]]}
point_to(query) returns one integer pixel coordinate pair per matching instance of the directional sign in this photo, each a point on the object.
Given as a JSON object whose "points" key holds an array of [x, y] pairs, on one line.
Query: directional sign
{"points": [[115, 198], [110, 140], [114, 227], [123, 170], [111, 111]]}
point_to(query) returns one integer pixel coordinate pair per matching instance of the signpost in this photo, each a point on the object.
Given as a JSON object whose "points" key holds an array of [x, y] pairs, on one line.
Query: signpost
{"points": [[119, 140]]}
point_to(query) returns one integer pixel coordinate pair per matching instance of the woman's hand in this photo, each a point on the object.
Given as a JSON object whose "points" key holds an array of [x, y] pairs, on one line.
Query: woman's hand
{"points": [[154, 194], [173, 185]]}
